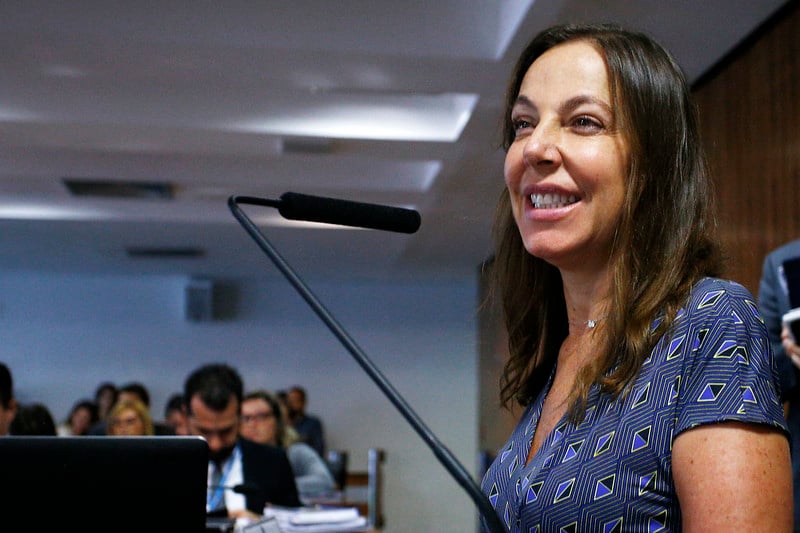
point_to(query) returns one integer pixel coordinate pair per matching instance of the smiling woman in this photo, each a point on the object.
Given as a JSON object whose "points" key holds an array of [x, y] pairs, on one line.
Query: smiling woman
{"points": [[565, 168], [644, 378]]}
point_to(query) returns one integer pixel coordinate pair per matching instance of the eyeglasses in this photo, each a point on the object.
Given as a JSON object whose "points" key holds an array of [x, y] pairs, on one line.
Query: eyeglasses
{"points": [[258, 417], [129, 421]]}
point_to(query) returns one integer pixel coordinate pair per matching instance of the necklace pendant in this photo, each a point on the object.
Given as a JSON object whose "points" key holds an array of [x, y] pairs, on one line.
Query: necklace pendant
{"points": [[590, 324]]}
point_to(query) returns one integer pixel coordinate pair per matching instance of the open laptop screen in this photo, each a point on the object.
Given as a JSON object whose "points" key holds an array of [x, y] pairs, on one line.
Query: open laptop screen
{"points": [[103, 483]]}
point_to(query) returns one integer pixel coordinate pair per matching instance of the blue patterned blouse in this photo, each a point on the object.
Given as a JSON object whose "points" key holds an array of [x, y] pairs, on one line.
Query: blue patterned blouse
{"points": [[613, 472]]}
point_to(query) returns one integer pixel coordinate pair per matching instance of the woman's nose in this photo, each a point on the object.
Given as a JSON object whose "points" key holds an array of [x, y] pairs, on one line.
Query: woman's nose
{"points": [[542, 146]]}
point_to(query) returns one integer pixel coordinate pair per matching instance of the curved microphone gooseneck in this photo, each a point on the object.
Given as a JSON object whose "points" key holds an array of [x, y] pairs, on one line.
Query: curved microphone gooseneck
{"points": [[377, 217]]}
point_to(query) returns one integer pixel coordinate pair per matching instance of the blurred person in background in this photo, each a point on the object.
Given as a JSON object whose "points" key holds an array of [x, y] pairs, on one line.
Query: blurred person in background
{"points": [[33, 419], [777, 289], [128, 418], [264, 421], [175, 415], [130, 391], [81, 418], [308, 426], [105, 396], [8, 405]]}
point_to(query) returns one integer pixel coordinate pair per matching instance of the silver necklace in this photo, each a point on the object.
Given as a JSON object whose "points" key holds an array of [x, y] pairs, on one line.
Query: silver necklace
{"points": [[589, 324]]}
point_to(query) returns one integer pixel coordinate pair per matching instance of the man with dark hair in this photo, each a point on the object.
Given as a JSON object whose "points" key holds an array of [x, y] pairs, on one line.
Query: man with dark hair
{"points": [[308, 426], [8, 405], [134, 391], [261, 473], [33, 419]]}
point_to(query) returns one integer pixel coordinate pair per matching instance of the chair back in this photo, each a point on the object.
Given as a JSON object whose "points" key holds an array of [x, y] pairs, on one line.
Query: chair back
{"points": [[337, 464]]}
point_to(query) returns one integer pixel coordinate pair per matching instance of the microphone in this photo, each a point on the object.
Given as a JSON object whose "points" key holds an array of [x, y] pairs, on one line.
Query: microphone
{"points": [[296, 206], [460, 474], [243, 488]]}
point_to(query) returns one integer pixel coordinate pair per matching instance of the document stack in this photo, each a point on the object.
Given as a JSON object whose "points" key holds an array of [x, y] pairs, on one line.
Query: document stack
{"points": [[318, 520]]}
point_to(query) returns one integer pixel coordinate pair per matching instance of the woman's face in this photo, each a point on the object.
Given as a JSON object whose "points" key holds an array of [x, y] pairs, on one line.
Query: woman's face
{"points": [[105, 401], [258, 421], [178, 421], [566, 169], [80, 421], [126, 423]]}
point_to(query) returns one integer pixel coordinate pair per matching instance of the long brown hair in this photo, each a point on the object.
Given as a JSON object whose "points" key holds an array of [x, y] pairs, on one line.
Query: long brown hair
{"points": [[285, 434], [665, 240]]}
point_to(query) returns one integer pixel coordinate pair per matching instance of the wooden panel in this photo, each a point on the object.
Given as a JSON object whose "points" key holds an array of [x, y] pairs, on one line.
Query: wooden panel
{"points": [[495, 423], [750, 113]]}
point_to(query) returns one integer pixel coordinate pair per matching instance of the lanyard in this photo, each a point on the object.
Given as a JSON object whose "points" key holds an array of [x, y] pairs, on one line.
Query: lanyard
{"points": [[216, 493]]}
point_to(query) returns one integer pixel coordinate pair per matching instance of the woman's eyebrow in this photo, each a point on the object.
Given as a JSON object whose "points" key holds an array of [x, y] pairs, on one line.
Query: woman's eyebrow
{"points": [[523, 101], [570, 105], [581, 99]]}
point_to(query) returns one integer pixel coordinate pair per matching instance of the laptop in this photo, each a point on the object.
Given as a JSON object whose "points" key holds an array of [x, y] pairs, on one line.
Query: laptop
{"points": [[103, 483]]}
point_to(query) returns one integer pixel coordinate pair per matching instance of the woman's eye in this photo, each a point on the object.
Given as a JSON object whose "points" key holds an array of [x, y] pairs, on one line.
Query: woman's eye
{"points": [[520, 124], [587, 123]]}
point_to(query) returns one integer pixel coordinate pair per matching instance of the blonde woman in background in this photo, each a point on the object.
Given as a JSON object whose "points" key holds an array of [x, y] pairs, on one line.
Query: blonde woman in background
{"points": [[130, 418]]}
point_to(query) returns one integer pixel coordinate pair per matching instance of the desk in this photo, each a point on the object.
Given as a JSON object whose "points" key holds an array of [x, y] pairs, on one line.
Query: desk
{"points": [[228, 525], [362, 490], [357, 496]]}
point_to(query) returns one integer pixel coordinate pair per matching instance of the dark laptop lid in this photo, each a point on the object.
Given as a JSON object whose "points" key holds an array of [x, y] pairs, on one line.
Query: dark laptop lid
{"points": [[103, 483]]}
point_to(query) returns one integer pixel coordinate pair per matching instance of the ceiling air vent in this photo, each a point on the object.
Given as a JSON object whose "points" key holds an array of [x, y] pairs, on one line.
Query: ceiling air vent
{"points": [[306, 145], [154, 190], [186, 252]]}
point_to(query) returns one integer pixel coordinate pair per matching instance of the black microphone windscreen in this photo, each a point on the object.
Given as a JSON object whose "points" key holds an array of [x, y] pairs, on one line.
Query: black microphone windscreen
{"points": [[296, 206], [243, 488], [246, 488]]}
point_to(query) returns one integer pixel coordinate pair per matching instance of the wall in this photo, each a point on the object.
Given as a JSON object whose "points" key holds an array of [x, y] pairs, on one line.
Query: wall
{"points": [[495, 423], [749, 110], [62, 335]]}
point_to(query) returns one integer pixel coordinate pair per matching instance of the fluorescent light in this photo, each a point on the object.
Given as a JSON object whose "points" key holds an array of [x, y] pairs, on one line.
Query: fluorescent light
{"points": [[436, 118], [33, 211]]}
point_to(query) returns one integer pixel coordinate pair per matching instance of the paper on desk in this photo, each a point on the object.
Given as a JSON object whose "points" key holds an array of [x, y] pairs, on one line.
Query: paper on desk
{"points": [[314, 520], [322, 516]]}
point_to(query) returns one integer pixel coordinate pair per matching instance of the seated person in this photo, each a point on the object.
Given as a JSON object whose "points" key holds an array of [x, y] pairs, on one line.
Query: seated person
{"points": [[262, 473], [175, 415], [82, 417], [105, 396], [308, 426], [8, 405], [33, 419], [264, 421], [133, 390], [130, 418]]}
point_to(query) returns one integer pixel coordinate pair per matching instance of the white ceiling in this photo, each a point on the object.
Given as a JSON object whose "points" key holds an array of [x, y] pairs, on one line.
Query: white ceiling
{"points": [[379, 101]]}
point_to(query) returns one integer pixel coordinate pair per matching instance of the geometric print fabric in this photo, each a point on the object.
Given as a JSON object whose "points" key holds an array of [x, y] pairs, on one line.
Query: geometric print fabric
{"points": [[612, 472]]}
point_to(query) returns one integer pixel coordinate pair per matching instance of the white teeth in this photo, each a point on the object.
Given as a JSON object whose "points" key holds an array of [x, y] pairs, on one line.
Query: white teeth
{"points": [[550, 201]]}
